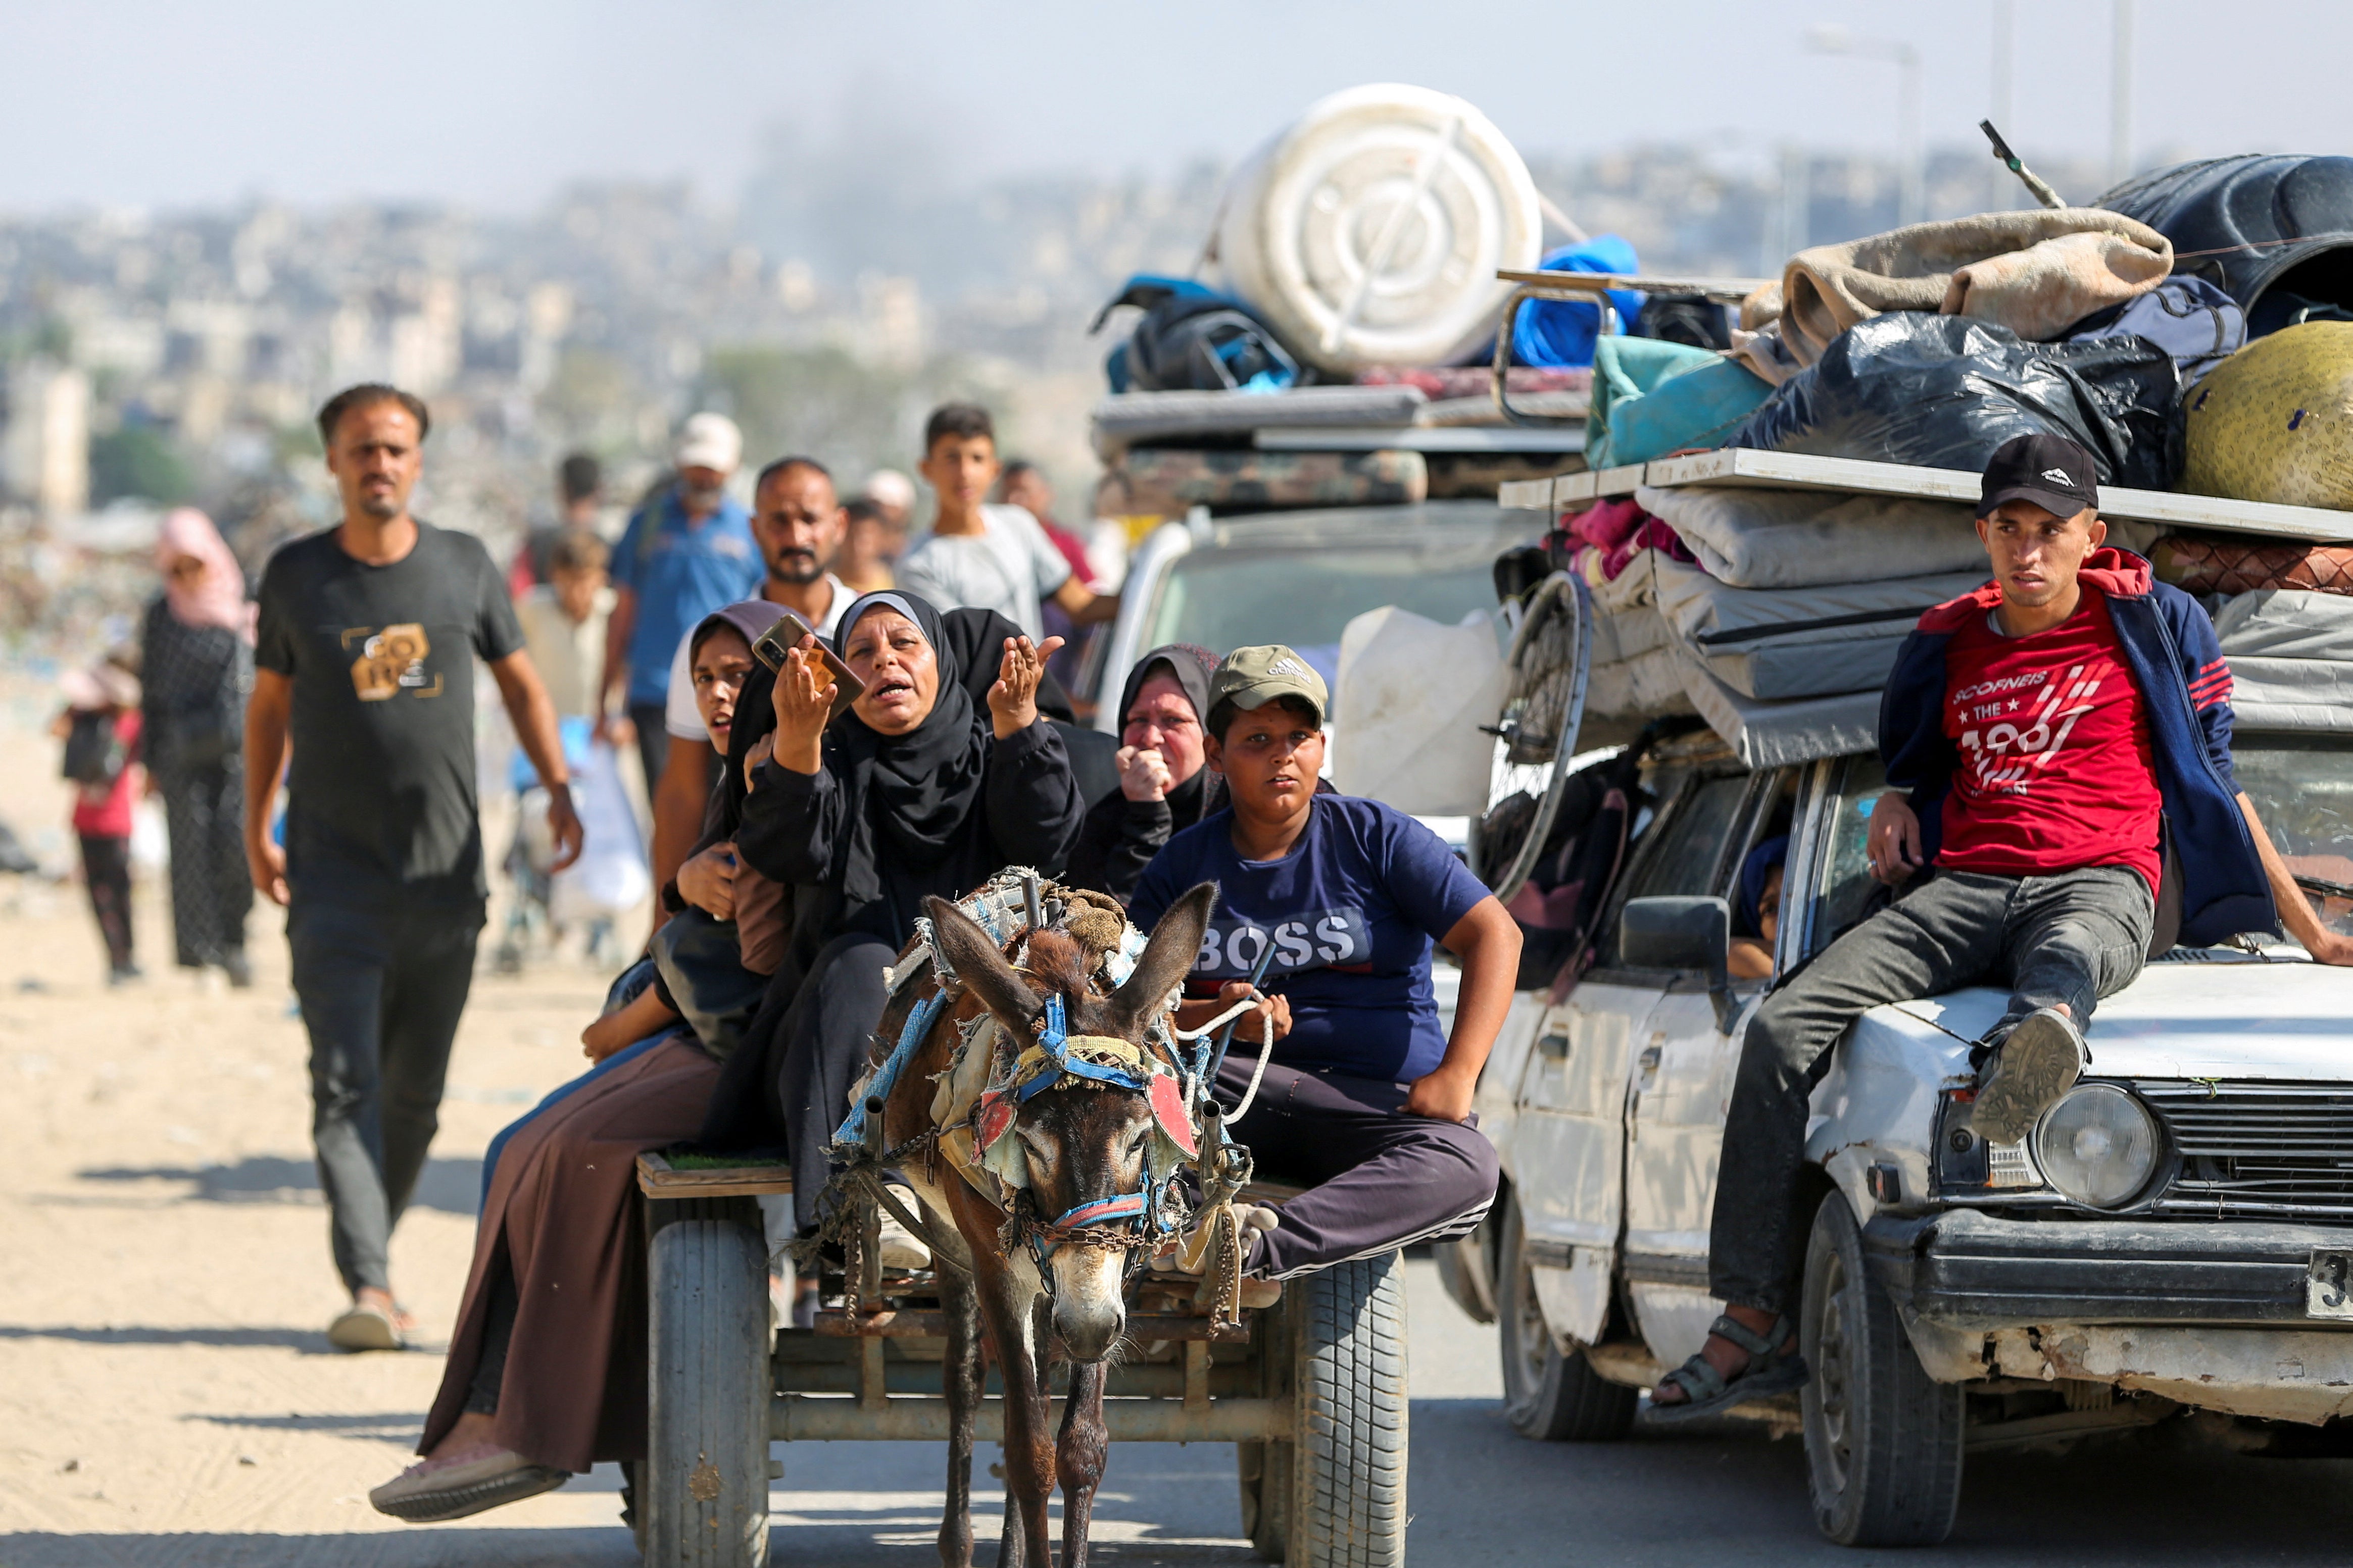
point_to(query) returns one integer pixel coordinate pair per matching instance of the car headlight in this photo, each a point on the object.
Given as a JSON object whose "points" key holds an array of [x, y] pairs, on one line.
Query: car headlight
{"points": [[2098, 1145]]}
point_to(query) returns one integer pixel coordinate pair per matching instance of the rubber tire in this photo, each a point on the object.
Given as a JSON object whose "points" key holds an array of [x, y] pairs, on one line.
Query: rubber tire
{"points": [[1349, 1417], [1882, 1437], [702, 1497], [1549, 1397]]}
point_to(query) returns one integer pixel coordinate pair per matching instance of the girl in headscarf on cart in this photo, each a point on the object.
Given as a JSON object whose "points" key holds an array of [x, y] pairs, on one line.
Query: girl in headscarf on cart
{"points": [[1164, 787], [916, 790]]}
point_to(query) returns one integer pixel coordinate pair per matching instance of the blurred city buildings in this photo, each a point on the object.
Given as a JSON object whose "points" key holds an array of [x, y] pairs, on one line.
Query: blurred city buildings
{"points": [[153, 358]]}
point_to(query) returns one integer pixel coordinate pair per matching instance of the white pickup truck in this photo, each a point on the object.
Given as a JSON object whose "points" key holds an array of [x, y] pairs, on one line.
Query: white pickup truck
{"points": [[2174, 1243]]}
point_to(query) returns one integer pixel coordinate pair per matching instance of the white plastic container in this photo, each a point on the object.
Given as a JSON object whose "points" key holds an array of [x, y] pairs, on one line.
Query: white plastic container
{"points": [[1369, 231]]}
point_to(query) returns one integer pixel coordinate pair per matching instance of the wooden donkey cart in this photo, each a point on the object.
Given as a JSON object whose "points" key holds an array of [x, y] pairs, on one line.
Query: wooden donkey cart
{"points": [[1029, 1087]]}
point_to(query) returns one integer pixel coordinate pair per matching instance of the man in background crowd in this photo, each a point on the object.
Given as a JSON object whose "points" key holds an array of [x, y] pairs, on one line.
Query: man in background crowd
{"points": [[988, 557], [797, 520], [367, 637], [894, 494], [579, 494], [688, 550]]}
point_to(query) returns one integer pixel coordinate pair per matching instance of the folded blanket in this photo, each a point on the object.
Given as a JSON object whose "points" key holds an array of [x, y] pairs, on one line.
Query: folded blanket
{"points": [[1797, 539], [2036, 273], [1713, 617], [2286, 623]]}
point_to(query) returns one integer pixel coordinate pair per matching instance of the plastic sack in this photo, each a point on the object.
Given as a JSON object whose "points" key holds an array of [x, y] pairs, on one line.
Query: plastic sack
{"points": [[1563, 331], [1415, 694], [1942, 392], [2269, 424], [1652, 397], [610, 877]]}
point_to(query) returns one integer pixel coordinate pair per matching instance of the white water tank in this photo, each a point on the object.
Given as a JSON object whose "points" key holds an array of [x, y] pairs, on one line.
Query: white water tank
{"points": [[1369, 230]]}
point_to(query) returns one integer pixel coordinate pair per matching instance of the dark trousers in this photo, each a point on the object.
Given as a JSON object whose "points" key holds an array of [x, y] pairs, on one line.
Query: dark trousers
{"points": [[2073, 937], [1376, 1178], [212, 889], [653, 739], [381, 989], [824, 1036], [106, 873]]}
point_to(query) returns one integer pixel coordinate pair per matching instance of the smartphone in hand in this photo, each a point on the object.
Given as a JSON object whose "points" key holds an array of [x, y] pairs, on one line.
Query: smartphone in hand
{"points": [[784, 635]]}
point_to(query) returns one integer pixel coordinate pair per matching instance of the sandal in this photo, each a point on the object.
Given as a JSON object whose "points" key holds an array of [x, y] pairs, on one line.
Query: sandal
{"points": [[1774, 1367]]}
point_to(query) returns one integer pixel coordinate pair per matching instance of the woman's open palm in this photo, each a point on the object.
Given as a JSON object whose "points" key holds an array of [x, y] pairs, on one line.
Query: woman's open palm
{"points": [[1013, 701]]}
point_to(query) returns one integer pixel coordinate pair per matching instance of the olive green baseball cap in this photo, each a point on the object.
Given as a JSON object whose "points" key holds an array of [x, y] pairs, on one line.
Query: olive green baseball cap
{"points": [[1250, 677]]}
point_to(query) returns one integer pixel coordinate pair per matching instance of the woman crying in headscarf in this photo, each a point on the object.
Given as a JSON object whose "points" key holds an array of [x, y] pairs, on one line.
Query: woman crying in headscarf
{"points": [[1163, 783], [915, 789]]}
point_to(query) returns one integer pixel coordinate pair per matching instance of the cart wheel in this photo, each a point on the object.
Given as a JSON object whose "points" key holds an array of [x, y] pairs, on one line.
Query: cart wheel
{"points": [[701, 1495], [1348, 1421], [1266, 1471], [1543, 708], [1882, 1438], [1547, 1395]]}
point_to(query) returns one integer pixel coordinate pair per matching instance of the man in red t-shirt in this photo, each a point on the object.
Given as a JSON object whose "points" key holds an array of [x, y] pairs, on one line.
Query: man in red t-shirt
{"points": [[2048, 739]]}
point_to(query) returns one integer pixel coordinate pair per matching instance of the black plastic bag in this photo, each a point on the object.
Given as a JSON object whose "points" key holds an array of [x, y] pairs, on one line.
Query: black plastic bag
{"points": [[1942, 392]]}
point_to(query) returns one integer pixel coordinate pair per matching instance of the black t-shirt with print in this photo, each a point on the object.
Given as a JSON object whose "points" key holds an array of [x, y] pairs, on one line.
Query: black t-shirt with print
{"points": [[380, 793]]}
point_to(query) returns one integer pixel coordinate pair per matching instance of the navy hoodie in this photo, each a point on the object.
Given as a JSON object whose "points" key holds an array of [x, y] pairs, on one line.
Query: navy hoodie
{"points": [[2185, 686]]}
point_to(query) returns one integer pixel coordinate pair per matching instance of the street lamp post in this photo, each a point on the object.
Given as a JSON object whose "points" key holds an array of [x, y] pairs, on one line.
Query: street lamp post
{"points": [[1911, 197]]}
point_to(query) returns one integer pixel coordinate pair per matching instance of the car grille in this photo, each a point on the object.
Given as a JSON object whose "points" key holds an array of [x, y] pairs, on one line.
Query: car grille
{"points": [[2257, 1150]]}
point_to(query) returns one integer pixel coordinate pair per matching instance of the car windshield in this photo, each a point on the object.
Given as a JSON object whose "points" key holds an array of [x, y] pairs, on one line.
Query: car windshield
{"points": [[2302, 789], [1240, 597]]}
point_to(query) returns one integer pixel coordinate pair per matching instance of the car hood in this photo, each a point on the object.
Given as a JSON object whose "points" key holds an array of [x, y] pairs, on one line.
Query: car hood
{"points": [[2220, 1014]]}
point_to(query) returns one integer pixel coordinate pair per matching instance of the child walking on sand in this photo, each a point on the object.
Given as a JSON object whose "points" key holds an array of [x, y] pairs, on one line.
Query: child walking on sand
{"points": [[101, 730]]}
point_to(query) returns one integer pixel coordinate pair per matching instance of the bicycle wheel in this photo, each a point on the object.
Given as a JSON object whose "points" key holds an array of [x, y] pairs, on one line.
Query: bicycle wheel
{"points": [[1536, 733]]}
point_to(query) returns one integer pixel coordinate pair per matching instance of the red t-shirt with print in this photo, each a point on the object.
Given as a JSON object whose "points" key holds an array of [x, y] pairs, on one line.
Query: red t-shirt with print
{"points": [[2057, 768]]}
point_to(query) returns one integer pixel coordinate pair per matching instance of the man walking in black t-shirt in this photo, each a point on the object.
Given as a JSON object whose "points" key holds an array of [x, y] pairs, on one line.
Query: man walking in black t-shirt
{"points": [[367, 640]]}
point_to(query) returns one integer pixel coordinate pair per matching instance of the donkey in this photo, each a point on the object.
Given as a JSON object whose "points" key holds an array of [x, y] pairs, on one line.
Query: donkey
{"points": [[1085, 1149]]}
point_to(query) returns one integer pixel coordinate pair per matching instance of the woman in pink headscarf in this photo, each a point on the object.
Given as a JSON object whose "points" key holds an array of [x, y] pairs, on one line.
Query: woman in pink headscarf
{"points": [[196, 643]]}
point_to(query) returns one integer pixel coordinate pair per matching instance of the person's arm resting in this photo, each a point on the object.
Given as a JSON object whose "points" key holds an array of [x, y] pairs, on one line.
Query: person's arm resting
{"points": [[1487, 941], [2294, 910]]}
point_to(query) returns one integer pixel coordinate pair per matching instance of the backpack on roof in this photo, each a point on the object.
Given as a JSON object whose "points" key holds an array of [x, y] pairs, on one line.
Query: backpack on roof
{"points": [[1193, 339], [2189, 318]]}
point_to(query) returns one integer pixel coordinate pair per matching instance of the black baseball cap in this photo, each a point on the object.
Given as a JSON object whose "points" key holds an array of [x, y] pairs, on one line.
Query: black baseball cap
{"points": [[2051, 471]]}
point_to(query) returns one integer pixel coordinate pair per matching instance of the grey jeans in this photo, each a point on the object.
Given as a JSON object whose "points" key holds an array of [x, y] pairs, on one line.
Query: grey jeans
{"points": [[2073, 937]]}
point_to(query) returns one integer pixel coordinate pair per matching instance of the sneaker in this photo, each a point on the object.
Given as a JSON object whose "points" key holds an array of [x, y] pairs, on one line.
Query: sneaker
{"points": [[2036, 1063], [239, 968], [901, 1249], [364, 1326], [436, 1489], [125, 974]]}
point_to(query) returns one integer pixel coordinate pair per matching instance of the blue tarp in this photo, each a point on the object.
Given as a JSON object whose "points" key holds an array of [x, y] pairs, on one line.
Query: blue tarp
{"points": [[1560, 333]]}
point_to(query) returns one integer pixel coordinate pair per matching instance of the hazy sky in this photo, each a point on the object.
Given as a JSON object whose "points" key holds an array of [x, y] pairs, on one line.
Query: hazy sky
{"points": [[495, 102]]}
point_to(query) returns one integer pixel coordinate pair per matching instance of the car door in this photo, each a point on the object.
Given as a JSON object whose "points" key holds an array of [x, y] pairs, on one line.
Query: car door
{"points": [[1680, 1089], [1570, 1134]]}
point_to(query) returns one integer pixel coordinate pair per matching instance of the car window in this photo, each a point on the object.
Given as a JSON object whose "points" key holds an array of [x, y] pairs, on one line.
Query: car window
{"points": [[2301, 786], [1687, 859], [1239, 597], [1845, 893]]}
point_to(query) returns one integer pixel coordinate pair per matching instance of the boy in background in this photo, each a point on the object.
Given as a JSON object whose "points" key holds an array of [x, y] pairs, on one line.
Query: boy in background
{"points": [[988, 557], [101, 730], [564, 623]]}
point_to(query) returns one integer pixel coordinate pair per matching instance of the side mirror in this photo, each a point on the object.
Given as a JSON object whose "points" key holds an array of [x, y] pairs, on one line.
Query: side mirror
{"points": [[1683, 934]]}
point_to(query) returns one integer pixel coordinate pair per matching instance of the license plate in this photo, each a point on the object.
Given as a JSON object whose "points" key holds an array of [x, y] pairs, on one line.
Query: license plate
{"points": [[2328, 1286]]}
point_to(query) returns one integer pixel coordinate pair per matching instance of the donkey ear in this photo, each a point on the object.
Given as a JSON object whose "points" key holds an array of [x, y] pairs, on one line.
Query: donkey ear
{"points": [[973, 955], [1176, 943]]}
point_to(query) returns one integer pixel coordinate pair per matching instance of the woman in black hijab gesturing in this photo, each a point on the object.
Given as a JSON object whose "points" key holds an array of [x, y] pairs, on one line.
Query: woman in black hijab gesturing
{"points": [[916, 791]]}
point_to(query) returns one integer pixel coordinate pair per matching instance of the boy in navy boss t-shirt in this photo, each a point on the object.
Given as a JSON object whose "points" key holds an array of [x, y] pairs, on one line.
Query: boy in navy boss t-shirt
{"points": [[1366, 1098]]}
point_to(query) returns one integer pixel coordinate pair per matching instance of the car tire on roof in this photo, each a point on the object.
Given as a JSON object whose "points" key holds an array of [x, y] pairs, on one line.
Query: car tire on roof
{"points": [[1882, 1438]]}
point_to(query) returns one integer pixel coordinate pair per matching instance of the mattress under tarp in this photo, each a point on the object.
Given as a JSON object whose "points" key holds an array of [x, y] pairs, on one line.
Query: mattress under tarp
{"points": [[1779, 644], [2290, 653]]}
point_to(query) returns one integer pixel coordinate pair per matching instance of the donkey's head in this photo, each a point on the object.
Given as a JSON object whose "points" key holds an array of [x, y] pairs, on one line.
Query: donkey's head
{"points": [[1082, 1145]]}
